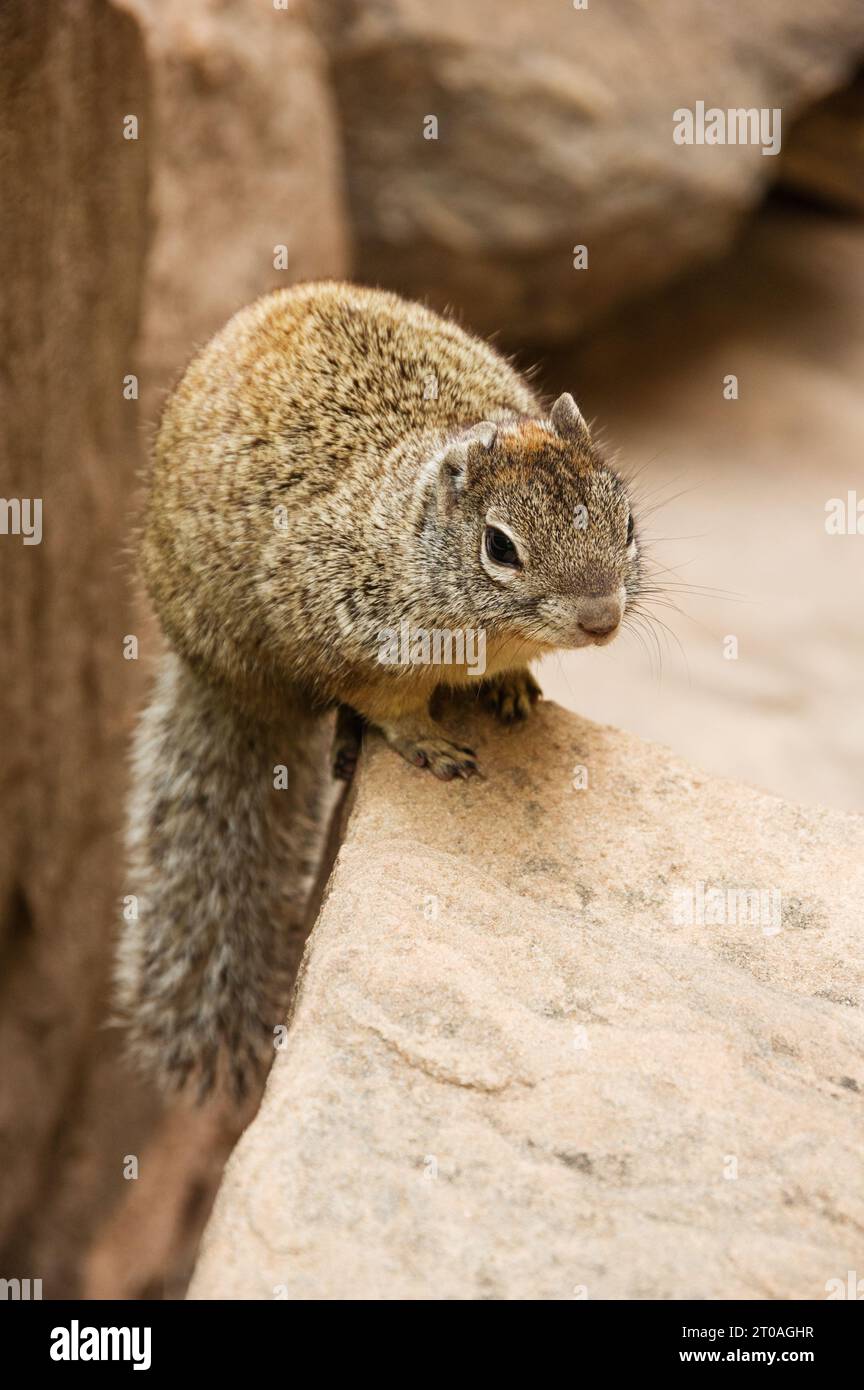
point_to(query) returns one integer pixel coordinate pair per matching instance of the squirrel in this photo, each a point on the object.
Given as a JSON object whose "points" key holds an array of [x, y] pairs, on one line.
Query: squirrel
{"points": [[335, 463]]}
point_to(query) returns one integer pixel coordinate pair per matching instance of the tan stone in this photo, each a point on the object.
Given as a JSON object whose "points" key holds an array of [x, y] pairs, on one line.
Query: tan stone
{"points": [[555, 130], [512, 1072], [245, 158]]}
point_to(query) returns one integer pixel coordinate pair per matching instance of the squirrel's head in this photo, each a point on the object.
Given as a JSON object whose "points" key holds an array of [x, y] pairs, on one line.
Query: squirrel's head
{"points": [[538, 529]]}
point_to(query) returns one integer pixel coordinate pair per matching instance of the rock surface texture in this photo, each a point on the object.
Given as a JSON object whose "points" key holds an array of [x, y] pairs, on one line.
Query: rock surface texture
{"points": [[554, 129], [515, 1071], [73, 234], [245, 160]]}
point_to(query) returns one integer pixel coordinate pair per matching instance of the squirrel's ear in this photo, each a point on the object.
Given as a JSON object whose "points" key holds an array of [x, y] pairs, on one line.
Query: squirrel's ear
{"points": [[454, 465], [567, 420]]}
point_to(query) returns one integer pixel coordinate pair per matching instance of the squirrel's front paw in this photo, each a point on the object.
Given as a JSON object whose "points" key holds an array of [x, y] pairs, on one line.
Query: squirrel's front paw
{"points": [[427, 747], [510, 696], [444, 759]]}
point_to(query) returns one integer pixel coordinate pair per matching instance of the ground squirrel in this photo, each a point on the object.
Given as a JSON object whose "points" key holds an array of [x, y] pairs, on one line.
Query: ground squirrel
{"points": [[335, 464]]}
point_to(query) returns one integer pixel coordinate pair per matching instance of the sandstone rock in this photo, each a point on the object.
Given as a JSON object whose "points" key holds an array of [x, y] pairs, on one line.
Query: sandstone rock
{"points": [[74, 239], [245, 158], [515, 1071], [555, 130]]}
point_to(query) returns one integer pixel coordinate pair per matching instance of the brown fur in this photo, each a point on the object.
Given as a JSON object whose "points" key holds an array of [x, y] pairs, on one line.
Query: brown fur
{"points": [[346, 408]]}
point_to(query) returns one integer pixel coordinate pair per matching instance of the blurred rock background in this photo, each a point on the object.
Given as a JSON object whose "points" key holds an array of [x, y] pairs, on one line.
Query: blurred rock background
{"points": [[277, 143]]}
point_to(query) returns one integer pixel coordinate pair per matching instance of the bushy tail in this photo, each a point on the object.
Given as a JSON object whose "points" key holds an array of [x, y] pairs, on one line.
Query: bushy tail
{"points": [[223, 847]]}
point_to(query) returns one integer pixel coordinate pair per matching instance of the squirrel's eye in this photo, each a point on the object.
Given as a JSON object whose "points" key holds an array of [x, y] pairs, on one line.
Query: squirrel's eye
{"points": [[500, 548], [630, 529]]}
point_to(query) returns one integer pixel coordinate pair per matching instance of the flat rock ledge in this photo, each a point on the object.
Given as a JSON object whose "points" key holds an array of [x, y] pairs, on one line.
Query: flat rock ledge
{"points": [[536, 1054]]}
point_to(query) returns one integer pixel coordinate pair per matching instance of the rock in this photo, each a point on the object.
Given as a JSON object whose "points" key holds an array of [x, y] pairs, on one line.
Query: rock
{"points": [[555, 131], [245, 159], [73, 233], [515, 1070], [140, 1247]]}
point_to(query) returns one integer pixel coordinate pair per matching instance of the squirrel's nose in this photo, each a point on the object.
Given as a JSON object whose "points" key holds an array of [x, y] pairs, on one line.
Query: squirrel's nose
{"points": [[599, 616]]}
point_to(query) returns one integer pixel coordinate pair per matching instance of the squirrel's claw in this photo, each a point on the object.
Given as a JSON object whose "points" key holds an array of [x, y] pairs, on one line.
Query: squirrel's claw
{"points": [[444, 759]]}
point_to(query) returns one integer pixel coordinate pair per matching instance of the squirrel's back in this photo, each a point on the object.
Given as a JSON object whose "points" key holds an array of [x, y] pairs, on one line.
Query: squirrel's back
{"points": [[319, 371]]}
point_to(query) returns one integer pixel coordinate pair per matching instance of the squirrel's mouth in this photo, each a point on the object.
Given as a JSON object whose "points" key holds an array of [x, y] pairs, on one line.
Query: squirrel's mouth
{"points": [[577, 640], [601, 638], [586, 620]]}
